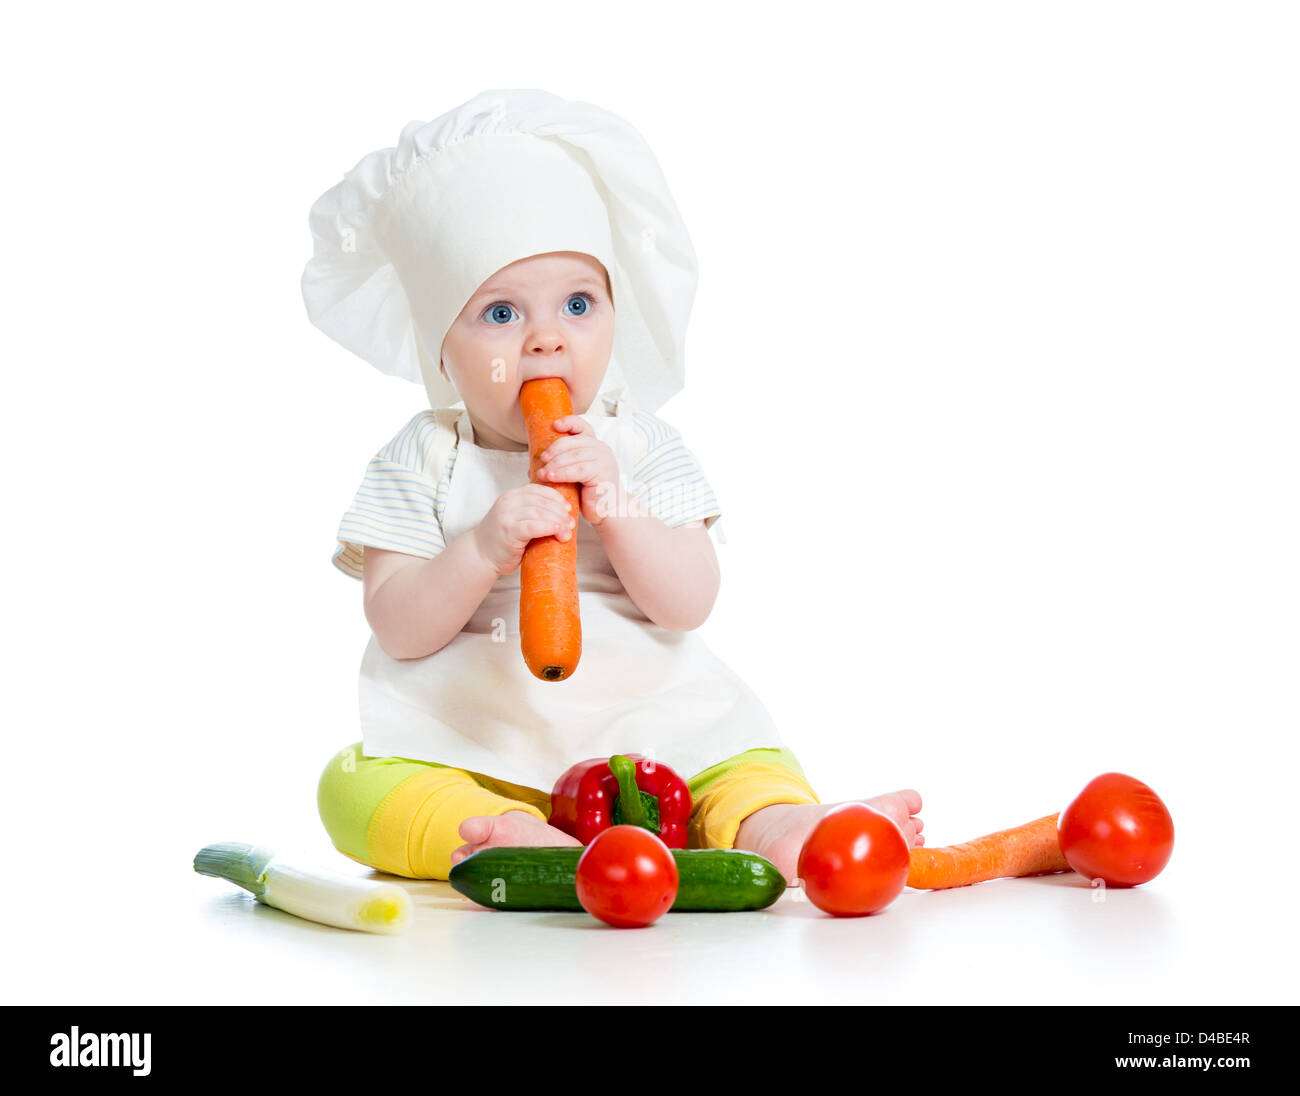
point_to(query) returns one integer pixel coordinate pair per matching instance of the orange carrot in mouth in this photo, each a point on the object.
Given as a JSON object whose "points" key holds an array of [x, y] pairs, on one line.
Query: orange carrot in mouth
{"points": [[549, 626], [1031, 849]]}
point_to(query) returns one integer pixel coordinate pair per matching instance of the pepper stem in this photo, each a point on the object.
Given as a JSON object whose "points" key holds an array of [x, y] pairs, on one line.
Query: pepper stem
{"points": [[631, 805]]}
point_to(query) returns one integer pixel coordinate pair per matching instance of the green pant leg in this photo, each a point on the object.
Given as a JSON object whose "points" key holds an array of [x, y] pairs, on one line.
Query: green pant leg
{"points": [[403, 816], [782, 755], [725, 794], [352, 787]]}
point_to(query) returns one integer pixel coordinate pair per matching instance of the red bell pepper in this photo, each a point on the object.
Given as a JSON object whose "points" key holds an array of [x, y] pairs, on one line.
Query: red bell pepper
{"points": [[625, 789]]}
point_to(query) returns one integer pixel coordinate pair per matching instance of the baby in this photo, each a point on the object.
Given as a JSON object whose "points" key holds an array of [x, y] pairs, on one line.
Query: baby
{"points": [[461, 743]]}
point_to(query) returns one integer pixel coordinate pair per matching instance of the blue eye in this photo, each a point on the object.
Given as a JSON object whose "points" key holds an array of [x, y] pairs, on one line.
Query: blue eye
{"points": [[500, 313], [495, 310], [588, 303]]}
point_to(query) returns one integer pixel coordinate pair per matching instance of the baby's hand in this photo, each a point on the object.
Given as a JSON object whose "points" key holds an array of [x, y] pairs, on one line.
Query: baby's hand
{"points": [[518, 516], [584, 459]]}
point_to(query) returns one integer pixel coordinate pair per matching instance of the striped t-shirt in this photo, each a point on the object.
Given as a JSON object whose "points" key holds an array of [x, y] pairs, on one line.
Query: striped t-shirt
{"points": [[400, 502]]}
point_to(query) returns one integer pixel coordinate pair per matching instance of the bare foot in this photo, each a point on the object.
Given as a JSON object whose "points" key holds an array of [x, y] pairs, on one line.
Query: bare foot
{"points": [[779, 831], [486, 831]]}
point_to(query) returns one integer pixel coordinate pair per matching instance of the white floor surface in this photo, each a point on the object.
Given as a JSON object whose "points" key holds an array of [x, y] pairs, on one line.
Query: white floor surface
{"points": [[1048, 940]]}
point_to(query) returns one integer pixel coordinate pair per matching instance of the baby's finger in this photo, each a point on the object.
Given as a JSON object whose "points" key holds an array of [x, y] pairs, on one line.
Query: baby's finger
{"points": [[559, 504], [532, 528], [580, 435], [574, 470], [544, 490], [550, 497], [573, 424], [556, 514], [563, 461]]}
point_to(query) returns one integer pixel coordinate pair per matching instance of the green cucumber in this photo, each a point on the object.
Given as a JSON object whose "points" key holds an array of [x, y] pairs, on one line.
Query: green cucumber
{"points": [[510, 878]]}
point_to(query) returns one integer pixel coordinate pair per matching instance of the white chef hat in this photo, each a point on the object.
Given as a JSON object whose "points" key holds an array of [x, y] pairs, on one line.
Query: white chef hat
{"points": [[411, 233]]}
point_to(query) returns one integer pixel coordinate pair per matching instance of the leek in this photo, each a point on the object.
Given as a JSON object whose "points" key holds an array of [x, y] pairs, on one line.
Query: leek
{"points": [[317, 895]]}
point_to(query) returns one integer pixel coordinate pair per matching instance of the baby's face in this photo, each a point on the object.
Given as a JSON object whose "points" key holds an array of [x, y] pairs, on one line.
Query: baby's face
{"points": [[545, 316]]}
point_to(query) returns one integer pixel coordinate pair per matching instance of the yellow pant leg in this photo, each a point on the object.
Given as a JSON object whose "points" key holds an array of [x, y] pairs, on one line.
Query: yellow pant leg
{"points": [[416, 828], [727, 801], [403, 816]]}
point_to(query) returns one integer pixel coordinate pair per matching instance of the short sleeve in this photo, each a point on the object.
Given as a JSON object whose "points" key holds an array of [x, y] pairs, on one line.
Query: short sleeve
{"points": [[400, 502], [666, 475]]}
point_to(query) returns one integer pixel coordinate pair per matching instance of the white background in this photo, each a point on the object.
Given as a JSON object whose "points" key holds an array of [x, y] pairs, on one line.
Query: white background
{"points": [[993, 367]]}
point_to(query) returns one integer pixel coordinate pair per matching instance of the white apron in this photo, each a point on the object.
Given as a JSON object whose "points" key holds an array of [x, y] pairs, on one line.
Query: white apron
{"points": [[638, 687]]}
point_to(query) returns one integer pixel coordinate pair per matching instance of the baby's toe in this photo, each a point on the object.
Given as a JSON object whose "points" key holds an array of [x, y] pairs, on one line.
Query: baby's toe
{"points": [[911, 830], [508, 828], [475, 830]]}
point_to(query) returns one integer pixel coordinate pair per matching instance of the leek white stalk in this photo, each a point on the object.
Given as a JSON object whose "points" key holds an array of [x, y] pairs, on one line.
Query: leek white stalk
{"points": [[317, 894]]}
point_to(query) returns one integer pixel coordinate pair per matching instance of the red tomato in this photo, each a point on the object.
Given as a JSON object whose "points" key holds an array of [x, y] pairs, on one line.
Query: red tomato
{"points": [[626, 877], [854, 862], [1117, 829]]}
